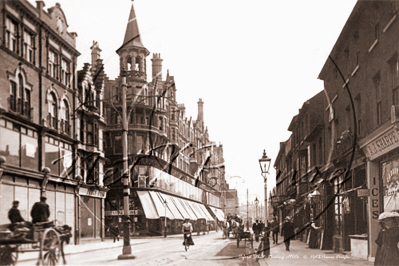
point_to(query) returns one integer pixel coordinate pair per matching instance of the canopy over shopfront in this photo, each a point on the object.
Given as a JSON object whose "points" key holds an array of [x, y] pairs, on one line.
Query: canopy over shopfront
{"points": [[218, 213], [187, 207], [181, 208], [205, 211], [149, 209], [160, 206], [171, 205]]}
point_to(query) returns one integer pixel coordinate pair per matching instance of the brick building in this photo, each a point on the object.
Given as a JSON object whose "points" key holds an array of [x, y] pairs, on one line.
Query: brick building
{"points": [[37, 98], [166, 150], [357, 177]]}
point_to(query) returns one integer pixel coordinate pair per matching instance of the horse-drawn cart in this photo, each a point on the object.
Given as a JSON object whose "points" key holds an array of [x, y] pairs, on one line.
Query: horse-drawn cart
{"points": [[246, 235], [43, 237]]}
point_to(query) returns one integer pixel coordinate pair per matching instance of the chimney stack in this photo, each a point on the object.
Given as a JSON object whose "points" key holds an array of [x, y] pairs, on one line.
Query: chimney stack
{"points": [[95, 54], [156, 66]]}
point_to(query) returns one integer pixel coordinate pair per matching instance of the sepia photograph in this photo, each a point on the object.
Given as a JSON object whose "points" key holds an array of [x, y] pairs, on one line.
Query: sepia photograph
{"points": [[155, 132]]}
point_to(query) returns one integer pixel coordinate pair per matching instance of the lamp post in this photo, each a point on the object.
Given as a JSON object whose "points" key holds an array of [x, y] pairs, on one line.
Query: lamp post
{"points": [[264, 163], [256, 208], [127, 248], [164, 231]]}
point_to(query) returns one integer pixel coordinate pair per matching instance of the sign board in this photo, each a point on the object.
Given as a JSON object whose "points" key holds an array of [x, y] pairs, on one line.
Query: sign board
{"points": [[121, 212], [364, 192]]}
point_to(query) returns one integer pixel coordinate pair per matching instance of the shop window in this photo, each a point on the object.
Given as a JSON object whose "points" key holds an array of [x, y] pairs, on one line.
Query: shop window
{"points": [[19, 145], [58, 156]]}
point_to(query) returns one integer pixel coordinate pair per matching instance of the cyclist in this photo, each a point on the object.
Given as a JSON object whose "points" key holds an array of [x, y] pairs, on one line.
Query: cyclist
{"points": [[187, 230]]}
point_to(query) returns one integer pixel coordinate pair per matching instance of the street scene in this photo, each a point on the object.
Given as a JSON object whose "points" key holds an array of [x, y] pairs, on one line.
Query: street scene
{"points": [[215, 132]]}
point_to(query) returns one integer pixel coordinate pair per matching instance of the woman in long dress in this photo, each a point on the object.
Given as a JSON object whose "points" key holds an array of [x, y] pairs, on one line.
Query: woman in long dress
{"points": [[387, 240], [187, 230], [313, 235]]}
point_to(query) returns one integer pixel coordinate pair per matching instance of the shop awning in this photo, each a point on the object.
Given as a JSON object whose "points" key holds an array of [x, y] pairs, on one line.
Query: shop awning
{"points": [[160, 206], [149, 209], [192, 209], [203, 208], [186, 206], [197, 210], [218, 213], [175, 211], [182, 209]]}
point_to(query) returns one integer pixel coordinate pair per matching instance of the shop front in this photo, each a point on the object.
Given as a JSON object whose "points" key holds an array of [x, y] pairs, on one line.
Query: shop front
{"points": [[382, 151], [90, 213], [60, 198]]}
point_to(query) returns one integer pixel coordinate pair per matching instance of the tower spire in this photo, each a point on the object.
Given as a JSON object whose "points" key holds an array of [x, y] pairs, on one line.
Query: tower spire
{"points": [[132, 34]]}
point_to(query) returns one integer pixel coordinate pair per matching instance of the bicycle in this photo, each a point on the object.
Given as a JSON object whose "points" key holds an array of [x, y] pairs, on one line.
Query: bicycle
{"points": [[186, 244]]}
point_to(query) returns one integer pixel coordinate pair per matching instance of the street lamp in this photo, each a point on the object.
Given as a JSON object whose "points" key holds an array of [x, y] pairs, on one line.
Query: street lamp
{"points": [[264, 163], [256, 208], [165, 202]]}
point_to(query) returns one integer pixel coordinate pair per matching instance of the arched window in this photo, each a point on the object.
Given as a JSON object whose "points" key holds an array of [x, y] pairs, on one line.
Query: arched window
{"points": [[129, 63], [20, 108], [138, 63], [52, 116], [65, 116]]}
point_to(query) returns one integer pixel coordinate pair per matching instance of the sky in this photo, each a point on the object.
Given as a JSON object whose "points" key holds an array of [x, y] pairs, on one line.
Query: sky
{"points": [[253, 63]]}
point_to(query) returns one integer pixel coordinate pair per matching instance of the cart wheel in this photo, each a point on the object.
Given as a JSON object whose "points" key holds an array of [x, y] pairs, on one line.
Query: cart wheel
{"points": [[8, 255], [50, 247]]}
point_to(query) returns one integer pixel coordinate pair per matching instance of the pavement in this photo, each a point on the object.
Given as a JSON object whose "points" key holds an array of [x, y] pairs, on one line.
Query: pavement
{"points": [[301, 254]]}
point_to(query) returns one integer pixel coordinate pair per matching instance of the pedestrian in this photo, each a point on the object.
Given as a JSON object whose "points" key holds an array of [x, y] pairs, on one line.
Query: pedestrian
{"points": [[115, 232], [275, 226], [13, 214], [288, 232], [387, 240], [313, 235], [187, 230], [40, 211], [255, 228]]}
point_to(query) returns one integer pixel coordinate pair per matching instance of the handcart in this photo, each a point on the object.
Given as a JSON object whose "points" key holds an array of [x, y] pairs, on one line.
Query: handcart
{"points": [[42, 237]]}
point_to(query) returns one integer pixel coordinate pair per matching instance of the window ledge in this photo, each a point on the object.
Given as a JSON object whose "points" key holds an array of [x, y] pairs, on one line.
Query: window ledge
{"points": [[355, 70], [389, 23], [373, 45]]}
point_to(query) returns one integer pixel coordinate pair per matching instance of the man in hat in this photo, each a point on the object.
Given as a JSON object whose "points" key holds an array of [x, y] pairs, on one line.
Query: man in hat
{"points": [[13, 214], [288, 232], [40, 211], [256, 229]]}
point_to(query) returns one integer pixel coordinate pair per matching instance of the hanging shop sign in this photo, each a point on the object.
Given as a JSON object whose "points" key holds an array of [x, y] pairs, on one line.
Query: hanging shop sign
{"points": [[383, 144], [364, 192]]}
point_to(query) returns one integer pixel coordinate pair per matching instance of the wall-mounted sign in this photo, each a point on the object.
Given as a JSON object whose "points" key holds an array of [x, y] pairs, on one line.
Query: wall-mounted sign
{"points": [[383, 144], [122, 212]]}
